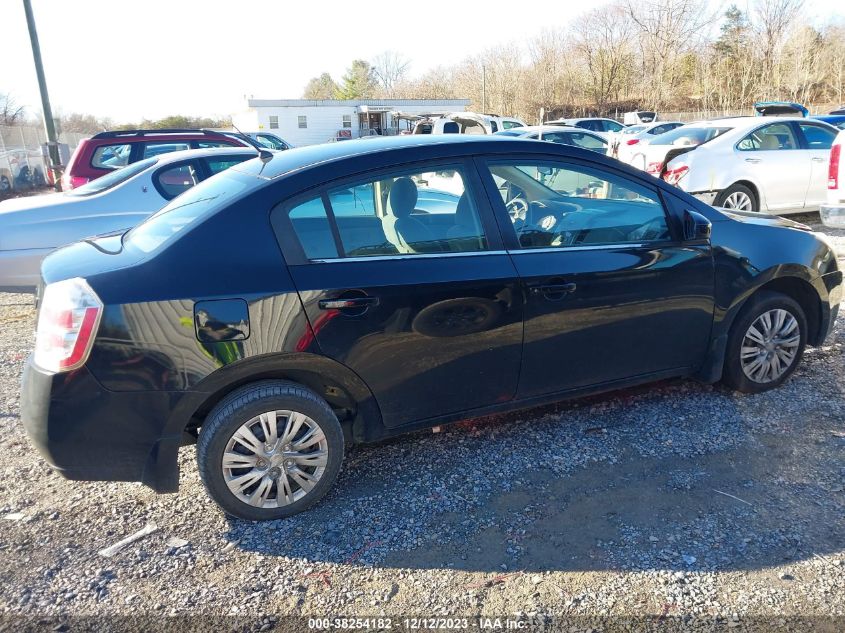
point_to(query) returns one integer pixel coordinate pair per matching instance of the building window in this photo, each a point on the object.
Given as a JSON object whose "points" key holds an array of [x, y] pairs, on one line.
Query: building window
{"points": [[347, 120], [303, 121], [274, 122]]}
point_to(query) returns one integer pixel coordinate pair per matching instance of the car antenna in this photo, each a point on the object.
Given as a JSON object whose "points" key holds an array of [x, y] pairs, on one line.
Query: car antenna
{"points": [[263, 153]]}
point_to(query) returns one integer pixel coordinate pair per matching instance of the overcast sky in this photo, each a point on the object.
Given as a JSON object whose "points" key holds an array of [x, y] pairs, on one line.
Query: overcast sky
{"points": [[128, 59]]}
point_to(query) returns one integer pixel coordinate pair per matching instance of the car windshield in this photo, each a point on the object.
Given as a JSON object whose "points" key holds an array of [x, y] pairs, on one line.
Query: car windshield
{"points": [[633, 129], [687, 135], [112, 179], [197, 203]]}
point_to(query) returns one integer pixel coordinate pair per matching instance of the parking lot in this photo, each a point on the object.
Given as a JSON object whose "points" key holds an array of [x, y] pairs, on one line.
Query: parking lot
{"points": [[678, 499]]}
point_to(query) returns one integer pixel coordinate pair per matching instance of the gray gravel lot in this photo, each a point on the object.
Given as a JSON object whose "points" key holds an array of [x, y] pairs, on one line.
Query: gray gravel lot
{"points": [[675, 499]]}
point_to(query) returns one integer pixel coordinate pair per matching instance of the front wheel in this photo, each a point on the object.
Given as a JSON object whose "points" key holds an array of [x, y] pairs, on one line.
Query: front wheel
{"points": [[269, 450], [766, 343]]}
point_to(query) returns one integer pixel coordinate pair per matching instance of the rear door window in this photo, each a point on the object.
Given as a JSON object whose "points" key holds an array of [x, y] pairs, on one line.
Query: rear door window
{"points": [[612, 126], [405, 213], [772, 137], [111, 156]]}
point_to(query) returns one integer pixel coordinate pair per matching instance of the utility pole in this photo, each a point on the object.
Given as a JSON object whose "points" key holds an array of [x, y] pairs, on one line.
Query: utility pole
{"points": [[49, 125]]}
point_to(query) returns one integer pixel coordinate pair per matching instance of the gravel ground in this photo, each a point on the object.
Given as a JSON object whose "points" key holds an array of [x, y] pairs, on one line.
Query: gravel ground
{"points": [[676, 499]]}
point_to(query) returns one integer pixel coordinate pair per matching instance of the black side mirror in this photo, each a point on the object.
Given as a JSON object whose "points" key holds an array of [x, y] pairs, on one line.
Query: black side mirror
{"points": [[696, 226]]}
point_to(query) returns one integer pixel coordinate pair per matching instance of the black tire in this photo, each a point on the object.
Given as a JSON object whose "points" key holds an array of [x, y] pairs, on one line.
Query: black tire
{"points": [[725, 194], [734, 376], [238, 408]]}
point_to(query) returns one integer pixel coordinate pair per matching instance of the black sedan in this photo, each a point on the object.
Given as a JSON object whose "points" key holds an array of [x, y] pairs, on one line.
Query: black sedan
{"points": [[345, 293]]}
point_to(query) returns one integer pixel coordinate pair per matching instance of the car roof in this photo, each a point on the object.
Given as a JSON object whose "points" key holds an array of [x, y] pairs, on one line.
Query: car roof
{"points": [[746, 121], [426, 146]]}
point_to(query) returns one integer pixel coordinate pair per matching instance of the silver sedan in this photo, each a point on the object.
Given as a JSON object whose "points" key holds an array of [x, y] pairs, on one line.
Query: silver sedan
{"points": [[32, 227]]}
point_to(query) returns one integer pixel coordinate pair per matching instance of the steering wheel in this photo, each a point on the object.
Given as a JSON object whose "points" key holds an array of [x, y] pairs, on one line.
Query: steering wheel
{"points": [[517, 209]]}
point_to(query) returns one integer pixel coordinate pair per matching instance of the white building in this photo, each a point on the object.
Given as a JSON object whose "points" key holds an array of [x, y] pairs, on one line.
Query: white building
{"points": [[306, 122]]}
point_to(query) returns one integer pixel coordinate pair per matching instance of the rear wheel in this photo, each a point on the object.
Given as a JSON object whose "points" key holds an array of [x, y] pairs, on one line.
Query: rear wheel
{"points": [[766, 343], [269, 450], [737, 197]]}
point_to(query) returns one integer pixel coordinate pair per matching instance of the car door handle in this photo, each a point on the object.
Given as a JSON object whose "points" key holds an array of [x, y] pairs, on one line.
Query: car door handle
{"points": [[818, 159], [350, 302], [554, 292], [752, 160]]}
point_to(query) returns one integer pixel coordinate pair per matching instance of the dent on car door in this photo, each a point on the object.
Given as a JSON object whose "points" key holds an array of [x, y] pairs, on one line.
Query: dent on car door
{"points": [[404, 280], [613, 291]]}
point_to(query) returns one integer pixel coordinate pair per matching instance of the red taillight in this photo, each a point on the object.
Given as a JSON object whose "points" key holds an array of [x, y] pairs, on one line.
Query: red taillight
{"points": [[833, 169], [673, 176], [632, 141], [67, 324], [654, 168], [72, 182]]}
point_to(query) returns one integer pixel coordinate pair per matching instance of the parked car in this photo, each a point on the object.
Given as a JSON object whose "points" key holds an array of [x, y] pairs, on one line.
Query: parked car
{"points": [[467, 123], [639, 116], [21, 168], [770, 164], [780, 108], [836, 120], [104, 152], [574, 136], [31, 227], [627, 145], [833, 211], [253, 315], [602, 127]]}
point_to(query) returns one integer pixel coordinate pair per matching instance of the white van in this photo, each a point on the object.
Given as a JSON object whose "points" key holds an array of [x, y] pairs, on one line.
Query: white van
{"points": [[467, 123]]}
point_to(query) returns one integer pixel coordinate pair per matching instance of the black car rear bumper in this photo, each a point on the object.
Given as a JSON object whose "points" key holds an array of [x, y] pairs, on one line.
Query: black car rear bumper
{"points": [[87, 432]]}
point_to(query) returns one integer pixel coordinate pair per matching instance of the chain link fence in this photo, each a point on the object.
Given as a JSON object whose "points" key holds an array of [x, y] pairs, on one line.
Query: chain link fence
{"points": [[24, 162]]}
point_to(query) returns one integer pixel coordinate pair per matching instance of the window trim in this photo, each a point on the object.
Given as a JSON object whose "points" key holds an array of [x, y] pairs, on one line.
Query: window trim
{"points": [[343, 121], [295, 255], [510, 237]]}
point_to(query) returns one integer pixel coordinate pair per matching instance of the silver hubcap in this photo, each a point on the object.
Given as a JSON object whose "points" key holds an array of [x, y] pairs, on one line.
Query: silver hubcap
{"points": [[770, 346], [738, 200], [275, 458]]}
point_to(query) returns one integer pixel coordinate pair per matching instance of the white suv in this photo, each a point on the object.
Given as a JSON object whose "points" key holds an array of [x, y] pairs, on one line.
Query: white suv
{"points": [[833, 213]]}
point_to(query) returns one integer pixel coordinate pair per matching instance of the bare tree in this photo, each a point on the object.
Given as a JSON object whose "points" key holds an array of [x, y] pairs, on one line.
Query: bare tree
{"points": [[10, 112], [669, 29], [390, 69], [773, 19], [605, 37]]}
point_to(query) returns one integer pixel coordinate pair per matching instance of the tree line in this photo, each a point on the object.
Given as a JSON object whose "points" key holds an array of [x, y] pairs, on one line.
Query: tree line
{"points": [[668, 55]]}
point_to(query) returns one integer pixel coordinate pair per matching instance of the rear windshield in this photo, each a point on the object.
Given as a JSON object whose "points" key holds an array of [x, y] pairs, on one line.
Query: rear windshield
{"points": [[691, 135], [112, 179], [186, 210], [633, 129]]}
